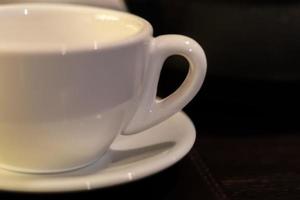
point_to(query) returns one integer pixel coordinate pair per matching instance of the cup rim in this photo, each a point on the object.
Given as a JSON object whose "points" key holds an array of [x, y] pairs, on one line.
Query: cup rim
{"points": [[146, 30]]}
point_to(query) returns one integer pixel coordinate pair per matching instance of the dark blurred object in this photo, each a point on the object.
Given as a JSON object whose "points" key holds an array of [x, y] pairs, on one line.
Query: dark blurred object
{"points": [[252, 51]]}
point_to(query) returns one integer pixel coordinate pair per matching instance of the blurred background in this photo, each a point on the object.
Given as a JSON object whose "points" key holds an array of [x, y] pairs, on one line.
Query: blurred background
{"points": [[253, 64]]}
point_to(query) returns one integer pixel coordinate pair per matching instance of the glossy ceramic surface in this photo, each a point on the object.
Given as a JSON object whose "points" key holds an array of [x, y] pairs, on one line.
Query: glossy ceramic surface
{"points": [[113, 4], [129, 159], [64, 97]]}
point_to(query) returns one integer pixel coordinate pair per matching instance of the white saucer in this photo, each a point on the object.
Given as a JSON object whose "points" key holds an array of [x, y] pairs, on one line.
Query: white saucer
{"points": [[130, 158]]}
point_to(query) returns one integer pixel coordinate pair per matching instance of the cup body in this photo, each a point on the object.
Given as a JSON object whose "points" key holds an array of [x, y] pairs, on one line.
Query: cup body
{"points": [[62, 108], [74, 77]]}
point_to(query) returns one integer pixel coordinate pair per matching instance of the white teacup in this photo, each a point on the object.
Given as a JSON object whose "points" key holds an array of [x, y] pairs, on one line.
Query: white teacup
{"points": [[74, 77]]}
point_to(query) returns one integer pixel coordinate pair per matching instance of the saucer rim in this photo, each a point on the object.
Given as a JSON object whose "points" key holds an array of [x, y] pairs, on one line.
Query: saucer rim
{"points": [[150, 166]]}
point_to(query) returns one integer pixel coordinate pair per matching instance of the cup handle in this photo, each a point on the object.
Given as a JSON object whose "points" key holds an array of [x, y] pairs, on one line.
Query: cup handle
{"points": [[152, 110]]}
